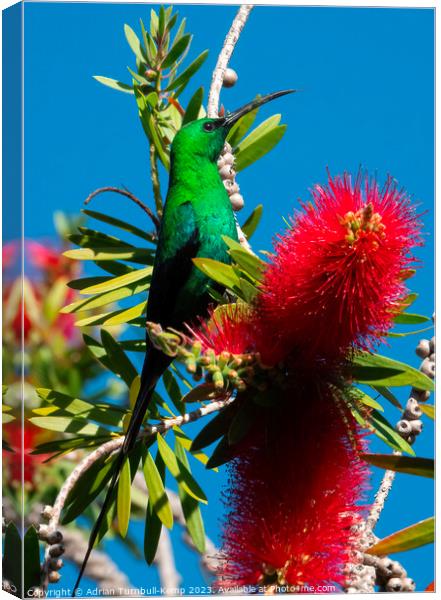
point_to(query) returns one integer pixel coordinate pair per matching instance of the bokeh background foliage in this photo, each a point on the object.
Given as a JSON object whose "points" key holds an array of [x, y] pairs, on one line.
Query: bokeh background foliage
{"points": [[338, 118]]}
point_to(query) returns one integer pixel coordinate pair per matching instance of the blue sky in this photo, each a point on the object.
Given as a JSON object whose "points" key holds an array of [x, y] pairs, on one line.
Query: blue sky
{"points": [[365, 81]]}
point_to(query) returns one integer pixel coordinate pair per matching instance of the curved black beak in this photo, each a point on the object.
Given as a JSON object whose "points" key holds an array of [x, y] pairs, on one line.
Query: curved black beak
{"points": [[230, 119]]}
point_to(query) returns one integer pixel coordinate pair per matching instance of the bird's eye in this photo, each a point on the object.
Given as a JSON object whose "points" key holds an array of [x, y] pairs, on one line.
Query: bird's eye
{"points": [[208, 126]]}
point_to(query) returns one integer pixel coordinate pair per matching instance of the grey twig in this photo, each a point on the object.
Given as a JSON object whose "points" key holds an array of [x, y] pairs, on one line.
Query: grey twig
{"points": [[129, 195], [224, 57], [51, 532], [226, 169], [369, 570]]}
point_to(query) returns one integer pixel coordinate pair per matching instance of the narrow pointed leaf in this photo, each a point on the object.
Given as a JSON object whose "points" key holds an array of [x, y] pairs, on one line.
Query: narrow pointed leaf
{"points": [[219, 272], [31, 551], [423, 467], [157, 494], [119, 282], [250, 225], [241, 128], [194, 106], [190, 508], [428, 410], [378, 370], [121, 364], [182, 80], [410, 319], [12, 555], [153, 525], [386, 393], [176, 50], [113, 83], [415, 536], [134, 43], [118, 223], [124, 498], [182, 475]]}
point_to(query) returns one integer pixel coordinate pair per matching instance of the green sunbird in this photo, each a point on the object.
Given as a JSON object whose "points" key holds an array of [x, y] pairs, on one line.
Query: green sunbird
{"points": [[197, 213]]}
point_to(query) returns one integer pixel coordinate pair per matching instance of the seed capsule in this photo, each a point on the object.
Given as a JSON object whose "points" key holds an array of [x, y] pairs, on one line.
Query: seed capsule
{"points": [[54, 577], [423, 348], [230, 78], [56, 550], [55, 537], [237, 201]]}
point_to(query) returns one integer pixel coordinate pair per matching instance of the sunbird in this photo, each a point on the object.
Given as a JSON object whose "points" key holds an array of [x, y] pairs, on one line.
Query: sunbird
{"points": [[197, 213]]}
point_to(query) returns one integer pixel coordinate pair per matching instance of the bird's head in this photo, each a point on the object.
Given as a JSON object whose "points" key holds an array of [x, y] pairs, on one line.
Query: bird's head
{"points": [[206, 137]]}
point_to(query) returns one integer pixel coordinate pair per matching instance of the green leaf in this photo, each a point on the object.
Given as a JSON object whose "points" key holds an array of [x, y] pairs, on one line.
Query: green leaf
{"points": [[87, 488], [221, 454], [216, 428], [249, 264], [374, 369], [242, 127], [12, 559], [61, 405], [117, 317], [113, 83], [179, 471], [218, 271], [32, 573], [84, 282], [119, 360], [428, 410], [176, 50], [106, 298], [424, 467], [386, 393], [368, 401], [173, 391], [259, 142], [118, 223], [69, 425], [182, 80], [157, 494], [124, 498], [410, 319], [134, 43], [137, 255], [190, 507], [415, 536], [241, 423], [194, 107], [153, 525], [66, 445], [250, 225], [185, 442], [199, 393]]}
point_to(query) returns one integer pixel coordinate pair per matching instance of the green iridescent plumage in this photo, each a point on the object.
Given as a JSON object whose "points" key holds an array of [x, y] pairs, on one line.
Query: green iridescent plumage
{"points": [[197, 213]]}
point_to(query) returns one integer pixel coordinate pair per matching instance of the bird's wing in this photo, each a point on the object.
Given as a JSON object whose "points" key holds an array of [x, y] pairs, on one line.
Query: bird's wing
{"points": [[173, 265]]}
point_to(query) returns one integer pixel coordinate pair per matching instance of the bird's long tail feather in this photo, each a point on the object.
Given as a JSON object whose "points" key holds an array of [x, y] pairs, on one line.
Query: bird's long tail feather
{"points": [[140, 409], [155, 364]]}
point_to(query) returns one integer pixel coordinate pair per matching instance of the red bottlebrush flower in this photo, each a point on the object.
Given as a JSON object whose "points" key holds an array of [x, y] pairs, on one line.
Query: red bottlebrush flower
{"points": [[22, 462], [336, 280], [294, 497], [230, 328]]}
